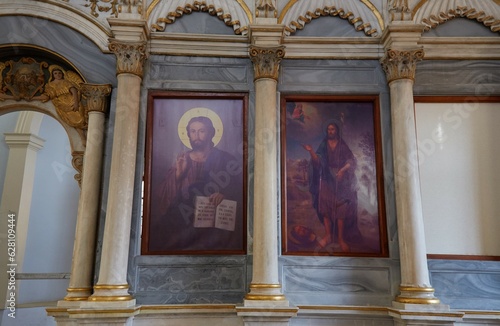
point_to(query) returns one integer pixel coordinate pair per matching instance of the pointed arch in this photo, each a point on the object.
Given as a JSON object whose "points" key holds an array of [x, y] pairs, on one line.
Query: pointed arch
{"points": [[234, 13], [434, 13], [363, 15], [64, 14]]}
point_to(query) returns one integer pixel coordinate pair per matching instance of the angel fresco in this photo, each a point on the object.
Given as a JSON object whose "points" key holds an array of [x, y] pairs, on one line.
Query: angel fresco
{"points": [[64, 91]]}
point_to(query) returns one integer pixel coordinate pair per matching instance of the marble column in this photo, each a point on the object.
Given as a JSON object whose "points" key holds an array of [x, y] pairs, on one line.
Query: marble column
{"points": [[112, 286], [265, 304], [80, 283], [415, 288], [265, 284]]}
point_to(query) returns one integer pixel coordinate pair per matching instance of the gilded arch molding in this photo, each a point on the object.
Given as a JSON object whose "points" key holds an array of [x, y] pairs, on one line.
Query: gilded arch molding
{"points": [[363, 15], [64, 14], [434, 13], [234, 13]]}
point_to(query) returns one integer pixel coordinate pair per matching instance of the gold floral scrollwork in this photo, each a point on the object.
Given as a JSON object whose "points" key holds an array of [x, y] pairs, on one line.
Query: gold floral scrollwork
{"points": [[401, 64], [266, 61], [131, 6], [77, 163], [95, 97], [97, 6], [400, 10], [130, 57], [266, 9]]}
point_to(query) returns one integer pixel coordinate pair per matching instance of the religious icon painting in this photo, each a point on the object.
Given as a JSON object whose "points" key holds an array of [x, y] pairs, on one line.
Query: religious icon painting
{"points": [[332, 183], [195, 175]]}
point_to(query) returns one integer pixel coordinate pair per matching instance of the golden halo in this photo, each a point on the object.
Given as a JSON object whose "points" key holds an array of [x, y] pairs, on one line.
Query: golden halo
{"points": [[199, 112]]}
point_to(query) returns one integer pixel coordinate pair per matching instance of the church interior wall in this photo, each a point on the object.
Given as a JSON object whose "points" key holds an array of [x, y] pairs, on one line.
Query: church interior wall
{"points": [[306, 280]]}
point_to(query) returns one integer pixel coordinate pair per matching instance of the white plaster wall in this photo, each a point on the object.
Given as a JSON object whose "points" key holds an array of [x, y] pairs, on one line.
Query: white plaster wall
{"points": [[460, 181], [51, 230]]}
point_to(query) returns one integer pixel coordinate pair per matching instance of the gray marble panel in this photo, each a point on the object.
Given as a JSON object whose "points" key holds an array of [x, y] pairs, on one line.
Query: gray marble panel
{"points": [[190, 279], [199, 73], [334, 281], [442, 77], [465, 284], [332, 76]]}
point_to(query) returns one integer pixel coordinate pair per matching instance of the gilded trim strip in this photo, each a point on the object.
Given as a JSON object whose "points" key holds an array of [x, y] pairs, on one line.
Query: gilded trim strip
{"points": [[264, 297], [286, 9], [417, 7], [247, 10], [151, 7], [110, 298], [417, 300], [111, 286], [416, 289], [375, 11], [78, 289], [75, 298], [264, 286]]}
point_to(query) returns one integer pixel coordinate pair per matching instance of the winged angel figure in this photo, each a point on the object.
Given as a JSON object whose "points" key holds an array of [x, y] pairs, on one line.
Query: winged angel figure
{"points": [[63, 89]]}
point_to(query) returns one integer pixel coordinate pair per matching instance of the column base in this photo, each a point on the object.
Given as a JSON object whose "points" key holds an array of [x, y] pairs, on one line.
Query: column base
{"points": [[265, 295], [61, 315], [425, 316], [77, 294], [417, 295], [110, 295]]}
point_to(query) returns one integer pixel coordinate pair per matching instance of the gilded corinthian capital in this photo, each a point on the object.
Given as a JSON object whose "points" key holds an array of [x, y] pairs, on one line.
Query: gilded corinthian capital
{"points": [[96, 96], [130, 57], [266, 61], [401, 64]]}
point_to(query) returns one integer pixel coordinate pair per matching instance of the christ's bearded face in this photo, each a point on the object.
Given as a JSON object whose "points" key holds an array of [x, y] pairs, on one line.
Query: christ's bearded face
{"points": [[331, 131], [199, 135]]}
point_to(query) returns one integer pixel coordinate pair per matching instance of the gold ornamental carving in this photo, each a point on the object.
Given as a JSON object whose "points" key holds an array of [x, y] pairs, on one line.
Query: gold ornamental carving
{"points": [[23, 79], [114, 7], [357, 21], [401, 64], [399, 10], [130, 6], [198, 6], [130, 57], [96, 97], [30, 80], [77, 163], [266, 9], [266, 61], [463, 12]]}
